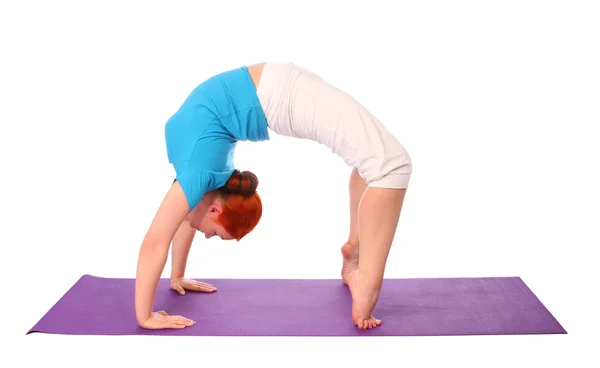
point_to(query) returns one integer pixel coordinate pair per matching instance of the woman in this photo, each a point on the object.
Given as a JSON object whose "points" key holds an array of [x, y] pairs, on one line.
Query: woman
{"points": [[209, 195]]}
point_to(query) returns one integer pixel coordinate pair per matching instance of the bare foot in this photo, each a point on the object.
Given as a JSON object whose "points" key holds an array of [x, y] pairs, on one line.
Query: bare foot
{"points": [[364, 298], [350, 254]]}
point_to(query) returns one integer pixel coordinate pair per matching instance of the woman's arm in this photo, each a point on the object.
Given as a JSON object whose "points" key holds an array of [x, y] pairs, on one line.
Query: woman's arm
{"points": [[155, 249], [180, 251], [181, 248]]}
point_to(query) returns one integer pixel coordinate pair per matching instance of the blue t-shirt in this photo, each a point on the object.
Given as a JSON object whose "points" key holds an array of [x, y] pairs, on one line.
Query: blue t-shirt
{"points": [[202, 135]]}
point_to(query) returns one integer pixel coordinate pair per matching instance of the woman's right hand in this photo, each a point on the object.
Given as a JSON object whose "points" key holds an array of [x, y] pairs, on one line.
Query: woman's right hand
{"points": [[161, 320]]}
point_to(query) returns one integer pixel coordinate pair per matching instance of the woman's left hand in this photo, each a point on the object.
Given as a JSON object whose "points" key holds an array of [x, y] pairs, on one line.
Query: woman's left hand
{"points": [[181, 284]]}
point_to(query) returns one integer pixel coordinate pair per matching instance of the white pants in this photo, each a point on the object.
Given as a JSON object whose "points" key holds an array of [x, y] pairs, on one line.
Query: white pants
{"points": [[298, 103]]}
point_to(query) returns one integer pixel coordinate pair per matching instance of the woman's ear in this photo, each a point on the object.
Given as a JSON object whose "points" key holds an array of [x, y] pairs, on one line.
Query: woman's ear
{"points": [[215, 208]]}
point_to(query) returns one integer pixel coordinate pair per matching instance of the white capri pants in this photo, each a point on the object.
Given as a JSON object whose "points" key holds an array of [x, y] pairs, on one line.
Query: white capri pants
{"points": [[298, 103]]}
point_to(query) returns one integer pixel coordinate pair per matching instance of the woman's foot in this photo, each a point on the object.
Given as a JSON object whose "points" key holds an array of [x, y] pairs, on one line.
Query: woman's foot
{"points": [[364, 298], [350, 263]]}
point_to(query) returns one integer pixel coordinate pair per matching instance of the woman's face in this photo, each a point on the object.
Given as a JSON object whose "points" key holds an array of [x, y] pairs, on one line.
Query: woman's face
{"points": [[203, 218]]}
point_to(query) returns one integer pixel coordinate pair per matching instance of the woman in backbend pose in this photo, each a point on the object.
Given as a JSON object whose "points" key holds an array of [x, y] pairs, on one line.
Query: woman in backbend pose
{"points": [[209, 195]]}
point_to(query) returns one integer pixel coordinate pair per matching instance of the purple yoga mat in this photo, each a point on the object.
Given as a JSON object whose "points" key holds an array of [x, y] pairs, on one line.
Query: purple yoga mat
{"points": [[304, 307]]}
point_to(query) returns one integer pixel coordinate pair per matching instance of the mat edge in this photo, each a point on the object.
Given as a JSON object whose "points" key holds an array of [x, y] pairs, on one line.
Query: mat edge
{"points": [[564, 330], [307, 278], [34, 329]]}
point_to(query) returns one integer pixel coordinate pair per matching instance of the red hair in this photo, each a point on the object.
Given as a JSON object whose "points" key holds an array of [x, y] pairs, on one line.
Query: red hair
{"points": [[242, 206]]}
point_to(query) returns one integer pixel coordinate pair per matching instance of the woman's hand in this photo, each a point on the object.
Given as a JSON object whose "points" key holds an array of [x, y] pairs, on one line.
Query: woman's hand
{"points": [[181, 284], [161, 320]]}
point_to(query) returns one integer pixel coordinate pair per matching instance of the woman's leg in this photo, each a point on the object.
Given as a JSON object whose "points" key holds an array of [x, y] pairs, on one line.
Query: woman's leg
{"points": [[298, 103], [378, 216], [356, 188]]}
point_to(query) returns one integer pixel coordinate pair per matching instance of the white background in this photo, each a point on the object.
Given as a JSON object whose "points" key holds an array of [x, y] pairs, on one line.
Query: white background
{"points": [[495, 101]]}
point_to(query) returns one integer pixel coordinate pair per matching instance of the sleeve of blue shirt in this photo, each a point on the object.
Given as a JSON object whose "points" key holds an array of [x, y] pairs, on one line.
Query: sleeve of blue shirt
{"points": [[208, 167], [195, 184]]}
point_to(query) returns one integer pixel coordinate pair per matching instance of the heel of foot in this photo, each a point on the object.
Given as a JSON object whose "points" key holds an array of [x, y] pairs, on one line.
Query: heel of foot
{"points": [[349, 250]]}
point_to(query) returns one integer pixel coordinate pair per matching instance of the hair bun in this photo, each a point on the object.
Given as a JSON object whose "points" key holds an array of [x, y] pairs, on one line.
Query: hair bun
{"points": [[242, 182]]}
